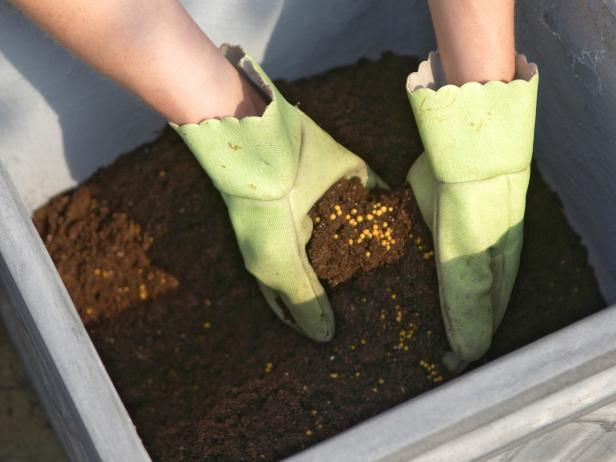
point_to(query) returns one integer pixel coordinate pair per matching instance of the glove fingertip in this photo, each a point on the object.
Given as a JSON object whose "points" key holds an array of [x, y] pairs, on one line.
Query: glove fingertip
{"points": [[454, 363], [373, 180], [314, 319]]}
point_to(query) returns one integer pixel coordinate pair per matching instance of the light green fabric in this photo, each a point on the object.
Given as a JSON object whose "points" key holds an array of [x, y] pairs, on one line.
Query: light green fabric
{"points": [[271, 170], [470, 185]]}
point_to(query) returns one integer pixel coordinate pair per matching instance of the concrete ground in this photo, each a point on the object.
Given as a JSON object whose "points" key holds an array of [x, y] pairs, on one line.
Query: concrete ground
{"points": [[25, 435]]}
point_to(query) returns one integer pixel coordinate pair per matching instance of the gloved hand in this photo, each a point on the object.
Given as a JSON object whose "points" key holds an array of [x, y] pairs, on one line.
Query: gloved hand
{"points": [[470, 185], [270, 171]]}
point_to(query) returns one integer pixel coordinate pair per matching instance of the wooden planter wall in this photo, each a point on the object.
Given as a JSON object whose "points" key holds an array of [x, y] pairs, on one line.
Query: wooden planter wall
{"points": [[552, 400]]}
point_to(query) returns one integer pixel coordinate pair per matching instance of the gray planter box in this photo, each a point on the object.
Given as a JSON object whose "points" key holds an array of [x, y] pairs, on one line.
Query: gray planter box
{"points": [[552, 400]]}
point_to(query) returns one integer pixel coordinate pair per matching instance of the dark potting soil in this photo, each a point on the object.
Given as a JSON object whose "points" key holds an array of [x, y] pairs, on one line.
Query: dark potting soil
{"points": [[205, 369]]}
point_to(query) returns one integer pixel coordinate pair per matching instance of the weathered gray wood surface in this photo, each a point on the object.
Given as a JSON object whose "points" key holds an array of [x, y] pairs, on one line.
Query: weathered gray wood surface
{"points": [[79, 398], [574, 44], [590, 438], [25, 435]]}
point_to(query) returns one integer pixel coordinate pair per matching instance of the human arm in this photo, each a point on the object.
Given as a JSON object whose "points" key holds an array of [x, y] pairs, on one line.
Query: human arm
{"points": [[270, 162], [471, 181], [154, 49], [475, 39]]}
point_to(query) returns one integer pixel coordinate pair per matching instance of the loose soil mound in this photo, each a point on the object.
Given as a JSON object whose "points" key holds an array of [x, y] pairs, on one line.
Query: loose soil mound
{"points": [[206, 371]]}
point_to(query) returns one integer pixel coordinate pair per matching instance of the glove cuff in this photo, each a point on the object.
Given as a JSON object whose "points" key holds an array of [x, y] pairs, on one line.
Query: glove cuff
{"points": [[475, 131], [252, 157]]}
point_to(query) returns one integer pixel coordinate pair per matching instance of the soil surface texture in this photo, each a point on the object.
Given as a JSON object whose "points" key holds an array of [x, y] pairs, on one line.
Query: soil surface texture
{"points": [[205, 369]]}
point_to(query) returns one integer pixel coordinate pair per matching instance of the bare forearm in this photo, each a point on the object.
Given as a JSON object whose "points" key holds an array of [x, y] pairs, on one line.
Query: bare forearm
{"points": [[475, 39], [152, 47]]}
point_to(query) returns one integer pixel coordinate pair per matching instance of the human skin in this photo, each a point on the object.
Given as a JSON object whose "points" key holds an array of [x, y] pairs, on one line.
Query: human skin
{"points": [[475, 39], [155, 50]]}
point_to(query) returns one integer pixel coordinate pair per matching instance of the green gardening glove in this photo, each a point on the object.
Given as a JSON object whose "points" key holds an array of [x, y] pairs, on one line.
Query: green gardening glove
{"points": [[470, 185], [270, 171]]}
